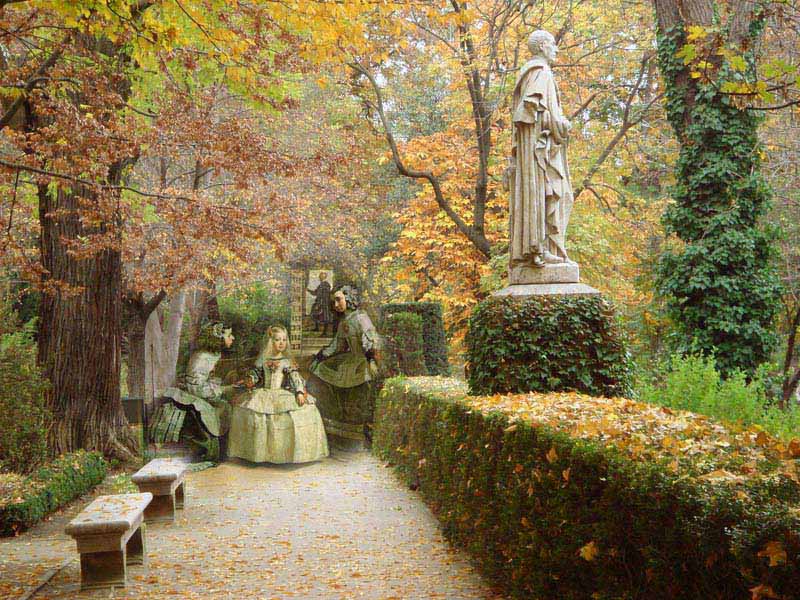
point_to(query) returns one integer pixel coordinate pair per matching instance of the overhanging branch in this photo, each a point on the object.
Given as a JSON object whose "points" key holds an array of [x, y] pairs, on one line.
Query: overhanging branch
{"points": [[478, 240]]}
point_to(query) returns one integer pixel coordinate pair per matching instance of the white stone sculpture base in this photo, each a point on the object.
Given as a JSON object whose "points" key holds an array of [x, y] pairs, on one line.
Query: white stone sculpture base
{"points": [[558, 273], [549, 280], [547, 289]]}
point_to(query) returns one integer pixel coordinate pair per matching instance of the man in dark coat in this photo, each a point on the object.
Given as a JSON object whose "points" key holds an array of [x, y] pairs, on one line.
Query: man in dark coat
{"points": [[321, 310]]}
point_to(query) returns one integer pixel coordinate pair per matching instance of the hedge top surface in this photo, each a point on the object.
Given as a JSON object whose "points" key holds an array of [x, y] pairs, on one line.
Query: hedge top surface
{"points": [[12, 488], [16, 488], [690, 445]]}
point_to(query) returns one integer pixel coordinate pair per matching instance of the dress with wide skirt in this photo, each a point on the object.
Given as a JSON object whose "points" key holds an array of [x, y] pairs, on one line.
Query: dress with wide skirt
{"points": [[268, 424]]}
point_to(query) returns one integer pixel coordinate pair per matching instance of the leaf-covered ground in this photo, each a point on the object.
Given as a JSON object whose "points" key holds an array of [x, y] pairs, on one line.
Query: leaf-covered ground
{"points": [[690, 444], [339, 529]]}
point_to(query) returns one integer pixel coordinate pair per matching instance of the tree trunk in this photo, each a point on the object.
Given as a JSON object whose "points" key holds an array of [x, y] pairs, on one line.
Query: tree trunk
{"points": [[80, 334], [137, 361], [203, 307], [720, 286], [162, 345]]}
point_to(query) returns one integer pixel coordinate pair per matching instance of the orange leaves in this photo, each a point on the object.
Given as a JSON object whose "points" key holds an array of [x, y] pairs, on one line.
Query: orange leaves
{"points": [[775, 552], [687, 444], [589, 552]]}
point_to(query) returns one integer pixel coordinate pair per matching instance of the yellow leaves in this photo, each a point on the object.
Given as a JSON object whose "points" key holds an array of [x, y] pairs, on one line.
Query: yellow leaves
{"points": [[775, 552], [589, 552], [696, 32], [762, 439], [683, 442]]}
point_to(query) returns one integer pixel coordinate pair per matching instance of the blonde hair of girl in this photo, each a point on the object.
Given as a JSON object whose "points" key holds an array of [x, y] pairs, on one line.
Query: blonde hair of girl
{"points": [[268, 348]]}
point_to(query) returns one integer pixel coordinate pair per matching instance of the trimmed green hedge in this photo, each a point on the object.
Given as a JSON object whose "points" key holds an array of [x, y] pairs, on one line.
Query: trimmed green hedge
{"points": [[404, 354], [546, 343], [432, 332], [546, 515], [29, 500]]}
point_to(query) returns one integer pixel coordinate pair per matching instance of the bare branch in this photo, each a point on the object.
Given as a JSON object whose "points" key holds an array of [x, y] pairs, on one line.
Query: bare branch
{"points": [[478, 240]]}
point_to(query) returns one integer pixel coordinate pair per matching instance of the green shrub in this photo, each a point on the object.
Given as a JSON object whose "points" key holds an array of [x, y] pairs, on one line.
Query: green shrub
{"points": [[24, 418], [694, 383], [249, 313], [433, 335], [26, 501], [403, 353], [546, 343], [546, 514]]}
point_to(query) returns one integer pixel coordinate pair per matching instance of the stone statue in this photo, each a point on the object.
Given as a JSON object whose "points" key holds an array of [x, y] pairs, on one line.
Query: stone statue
{"points": [[538, 176]]}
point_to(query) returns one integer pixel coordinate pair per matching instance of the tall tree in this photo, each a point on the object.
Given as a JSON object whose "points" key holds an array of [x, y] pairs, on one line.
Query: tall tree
{"points": [[468, 54], [718, 276], [81, 121]]}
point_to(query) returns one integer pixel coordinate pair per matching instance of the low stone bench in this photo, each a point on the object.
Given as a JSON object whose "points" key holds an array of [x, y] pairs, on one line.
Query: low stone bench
{"points": [[164, 478], [110, 534]]}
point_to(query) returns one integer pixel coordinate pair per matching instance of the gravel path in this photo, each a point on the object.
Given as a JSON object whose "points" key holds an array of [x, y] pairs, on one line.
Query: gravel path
{"points": [[338, 529]]}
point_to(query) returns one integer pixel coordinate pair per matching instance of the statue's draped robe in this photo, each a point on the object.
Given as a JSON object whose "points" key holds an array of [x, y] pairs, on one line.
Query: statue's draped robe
{"points": [[541, 193]]}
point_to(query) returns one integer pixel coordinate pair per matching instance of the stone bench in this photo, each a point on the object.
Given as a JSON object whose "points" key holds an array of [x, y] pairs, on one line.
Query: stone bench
{"points": [[164, 478], [110, 534]]}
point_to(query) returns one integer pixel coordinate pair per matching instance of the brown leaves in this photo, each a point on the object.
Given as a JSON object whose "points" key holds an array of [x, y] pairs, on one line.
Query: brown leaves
{"points": [[763, 592], [775, 552]]}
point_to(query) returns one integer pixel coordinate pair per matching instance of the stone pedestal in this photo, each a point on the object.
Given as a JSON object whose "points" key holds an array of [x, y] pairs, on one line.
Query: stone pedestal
{"points": [[524, 274], [548, 289], [546, 337]]}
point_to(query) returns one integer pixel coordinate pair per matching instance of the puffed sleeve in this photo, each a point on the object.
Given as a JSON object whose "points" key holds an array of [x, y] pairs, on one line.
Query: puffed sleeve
{"points": [[369, 335], [256, 376], [333, 347], [296, 383]]}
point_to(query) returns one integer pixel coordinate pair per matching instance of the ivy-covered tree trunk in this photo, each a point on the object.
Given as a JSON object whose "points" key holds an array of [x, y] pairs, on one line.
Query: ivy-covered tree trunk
{"points": [[718, 279]]}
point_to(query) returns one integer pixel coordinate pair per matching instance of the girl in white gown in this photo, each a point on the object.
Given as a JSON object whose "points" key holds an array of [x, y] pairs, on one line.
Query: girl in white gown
{"points": [[276, 420]]}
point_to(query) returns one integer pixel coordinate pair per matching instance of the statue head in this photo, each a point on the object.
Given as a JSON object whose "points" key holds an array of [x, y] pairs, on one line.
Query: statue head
{"points": [[542, 43]]}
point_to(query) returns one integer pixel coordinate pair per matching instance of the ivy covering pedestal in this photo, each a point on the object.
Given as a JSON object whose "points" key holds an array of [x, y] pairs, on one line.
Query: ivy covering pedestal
{"points": [[546, 343]]}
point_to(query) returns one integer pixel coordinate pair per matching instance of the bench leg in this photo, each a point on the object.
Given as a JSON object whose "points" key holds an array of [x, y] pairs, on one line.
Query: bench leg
{"points": [[103, 570], [136, 548], [180, 496], [161, 508]]}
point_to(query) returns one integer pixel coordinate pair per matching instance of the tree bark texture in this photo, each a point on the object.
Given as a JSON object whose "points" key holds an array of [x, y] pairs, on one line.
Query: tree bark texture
{"points": [[153, 348], [80, 333], [162, 344]]}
